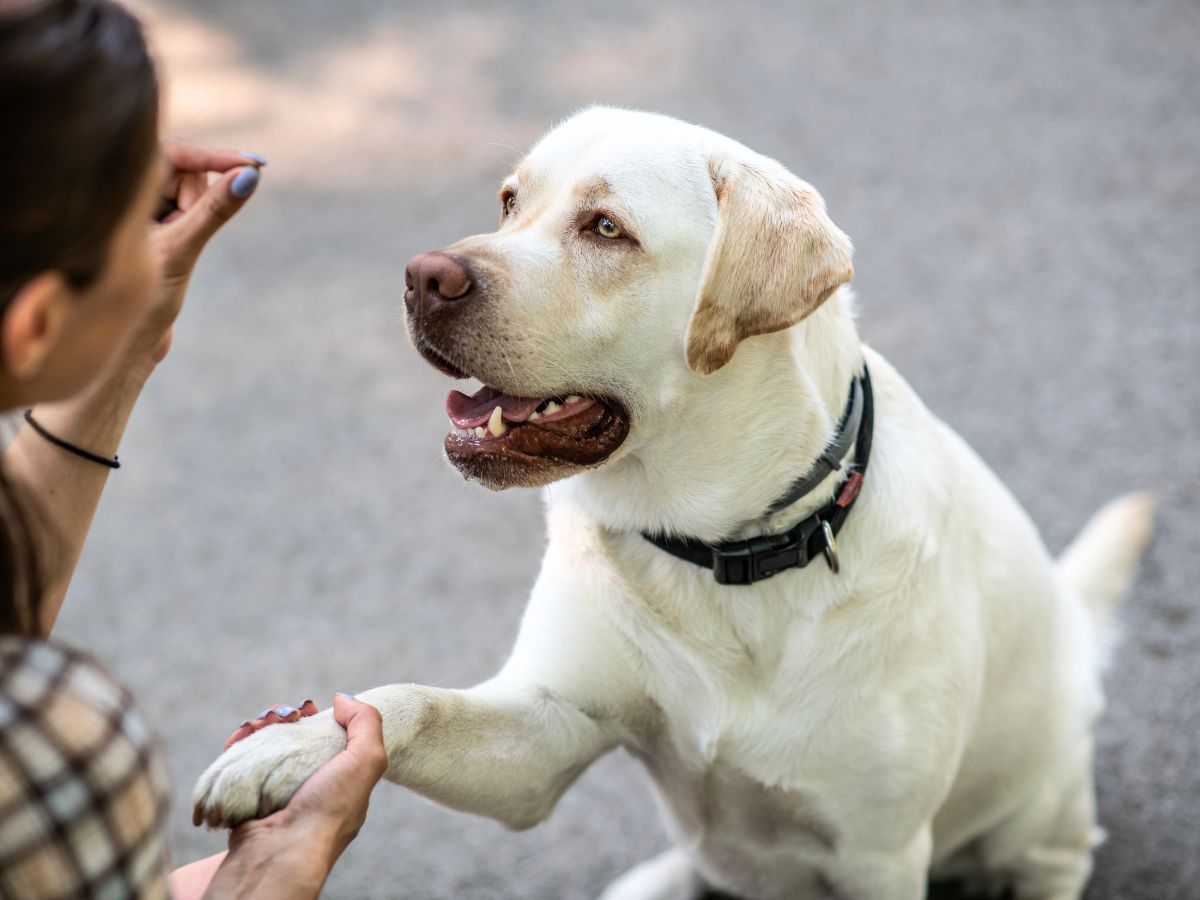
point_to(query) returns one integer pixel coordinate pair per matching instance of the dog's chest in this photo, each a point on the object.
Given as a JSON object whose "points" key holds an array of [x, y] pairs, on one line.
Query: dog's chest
{"points": [[737, 748], [751, 705], [748, 837]]}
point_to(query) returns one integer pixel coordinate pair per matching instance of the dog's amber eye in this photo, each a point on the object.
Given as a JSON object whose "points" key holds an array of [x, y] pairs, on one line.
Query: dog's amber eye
{"points": [[510, 204], [607, 228]]}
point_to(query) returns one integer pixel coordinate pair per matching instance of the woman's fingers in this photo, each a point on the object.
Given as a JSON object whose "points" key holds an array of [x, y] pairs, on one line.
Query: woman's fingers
{"points": [[272, 715], [180, 194], [186, 156], [194, 209], [191, 165], [242, 731], [364, 733], [214, 207], [192, 186]]}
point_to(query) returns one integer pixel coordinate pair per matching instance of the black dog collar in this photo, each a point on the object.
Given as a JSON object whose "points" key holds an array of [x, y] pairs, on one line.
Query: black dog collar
{"points": [[757, 558]]}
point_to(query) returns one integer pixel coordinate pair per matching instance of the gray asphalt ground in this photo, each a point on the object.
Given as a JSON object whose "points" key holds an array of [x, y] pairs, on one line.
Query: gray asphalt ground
{"points": [[1020, 181]]}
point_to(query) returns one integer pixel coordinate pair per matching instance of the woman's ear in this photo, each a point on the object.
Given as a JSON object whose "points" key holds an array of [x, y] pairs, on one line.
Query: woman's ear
{"points": [[32, 323], [774, 258]]}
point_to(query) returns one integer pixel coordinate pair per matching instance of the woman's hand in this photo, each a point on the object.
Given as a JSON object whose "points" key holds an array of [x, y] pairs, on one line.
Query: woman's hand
{"points": [[192, 211], [300, 843], [333, 801]]}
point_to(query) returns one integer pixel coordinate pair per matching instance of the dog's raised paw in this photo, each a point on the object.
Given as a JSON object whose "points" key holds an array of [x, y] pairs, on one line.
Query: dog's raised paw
{"points": [[259, 774]]}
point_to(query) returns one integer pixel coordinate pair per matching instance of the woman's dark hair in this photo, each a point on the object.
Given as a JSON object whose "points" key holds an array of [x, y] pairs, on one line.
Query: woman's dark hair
{"points": [[79, 118]]}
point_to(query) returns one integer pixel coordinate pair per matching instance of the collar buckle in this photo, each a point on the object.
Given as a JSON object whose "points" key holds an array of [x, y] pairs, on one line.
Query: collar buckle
{"points": [[758, 558]]}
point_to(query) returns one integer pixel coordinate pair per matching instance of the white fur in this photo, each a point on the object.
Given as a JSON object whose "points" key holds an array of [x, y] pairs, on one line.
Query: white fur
{"points": [[928, 709]]}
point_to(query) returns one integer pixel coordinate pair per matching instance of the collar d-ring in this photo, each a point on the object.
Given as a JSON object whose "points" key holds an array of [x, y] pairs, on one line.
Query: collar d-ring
{"points": [[830, 549]]}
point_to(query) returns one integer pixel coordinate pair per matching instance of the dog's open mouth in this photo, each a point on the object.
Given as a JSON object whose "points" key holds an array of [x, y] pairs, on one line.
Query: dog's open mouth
{"points": [[506, 440], [567, 428]]}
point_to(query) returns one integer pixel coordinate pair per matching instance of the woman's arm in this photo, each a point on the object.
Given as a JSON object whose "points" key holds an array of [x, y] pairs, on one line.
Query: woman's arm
{"points": [[67, 487]]}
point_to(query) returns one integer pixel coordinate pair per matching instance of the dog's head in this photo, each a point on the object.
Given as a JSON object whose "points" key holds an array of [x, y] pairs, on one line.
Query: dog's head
{"points": [[634, 254]]}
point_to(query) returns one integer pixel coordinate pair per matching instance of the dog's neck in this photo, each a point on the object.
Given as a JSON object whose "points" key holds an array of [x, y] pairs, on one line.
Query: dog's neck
{"points": [[733, 442]]}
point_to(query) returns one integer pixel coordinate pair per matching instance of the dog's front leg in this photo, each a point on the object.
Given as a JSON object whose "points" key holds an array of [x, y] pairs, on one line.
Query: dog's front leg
{"points": [[506, 751], [506, 748], [501, 749]]}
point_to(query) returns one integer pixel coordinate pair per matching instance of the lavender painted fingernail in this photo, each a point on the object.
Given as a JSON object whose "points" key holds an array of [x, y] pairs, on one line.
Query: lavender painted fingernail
{"points": [[244, 183], [263, 714], [345, 695], [284, 711], [261, 160]]}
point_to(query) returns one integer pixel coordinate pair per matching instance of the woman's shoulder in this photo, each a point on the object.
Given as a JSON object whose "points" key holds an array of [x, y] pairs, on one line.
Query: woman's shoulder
{"points": [[64, 702], [83, 792], [33, 672]]}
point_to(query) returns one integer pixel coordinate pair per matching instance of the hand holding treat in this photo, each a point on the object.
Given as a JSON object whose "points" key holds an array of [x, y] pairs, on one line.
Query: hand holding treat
{"points": [[192, 211]]}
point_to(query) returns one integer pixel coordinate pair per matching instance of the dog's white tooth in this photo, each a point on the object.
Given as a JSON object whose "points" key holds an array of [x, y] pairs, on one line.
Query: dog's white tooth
{"points": [[534, 416], [496, 422], [552, 407], [480, 431], [573, 398]]}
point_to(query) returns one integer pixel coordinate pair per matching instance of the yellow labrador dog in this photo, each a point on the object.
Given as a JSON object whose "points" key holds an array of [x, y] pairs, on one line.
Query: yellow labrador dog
{"points": [[831, 635]]}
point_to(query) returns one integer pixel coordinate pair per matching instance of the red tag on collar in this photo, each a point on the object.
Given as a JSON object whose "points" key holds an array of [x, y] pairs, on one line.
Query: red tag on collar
{"points": [[849, 490]]}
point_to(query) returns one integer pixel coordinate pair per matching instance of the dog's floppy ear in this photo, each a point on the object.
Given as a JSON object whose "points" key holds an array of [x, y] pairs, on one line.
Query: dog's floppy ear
{"points": [[773, 259]]}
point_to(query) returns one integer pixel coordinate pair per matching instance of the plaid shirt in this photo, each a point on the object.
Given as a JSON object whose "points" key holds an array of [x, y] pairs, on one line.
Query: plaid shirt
{"points": [[83, 792]]}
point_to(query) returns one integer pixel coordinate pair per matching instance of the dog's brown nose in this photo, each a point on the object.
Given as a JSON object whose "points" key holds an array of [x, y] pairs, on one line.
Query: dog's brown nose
{"points": [[434, 278]]}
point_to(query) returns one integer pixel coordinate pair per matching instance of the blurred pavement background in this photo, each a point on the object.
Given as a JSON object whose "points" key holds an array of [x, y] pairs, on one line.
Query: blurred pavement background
{"points": [[1021, 184]]}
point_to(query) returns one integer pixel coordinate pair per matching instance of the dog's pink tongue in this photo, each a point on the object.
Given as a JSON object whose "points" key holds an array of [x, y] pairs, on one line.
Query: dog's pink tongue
{"points": [[467, 412]]}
